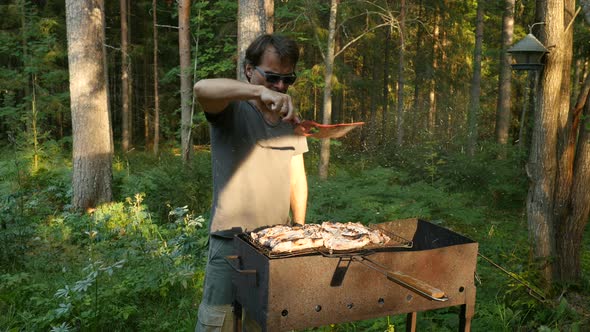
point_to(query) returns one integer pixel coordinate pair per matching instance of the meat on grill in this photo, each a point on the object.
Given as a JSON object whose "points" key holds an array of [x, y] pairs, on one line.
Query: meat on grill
{"points": [[330, 235]]}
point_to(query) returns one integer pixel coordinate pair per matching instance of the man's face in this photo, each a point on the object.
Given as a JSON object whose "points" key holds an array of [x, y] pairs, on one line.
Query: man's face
{"points": [[270, 66]]}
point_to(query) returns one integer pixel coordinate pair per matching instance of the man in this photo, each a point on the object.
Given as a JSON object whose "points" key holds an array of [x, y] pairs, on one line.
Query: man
{"points": [[257, 162]]}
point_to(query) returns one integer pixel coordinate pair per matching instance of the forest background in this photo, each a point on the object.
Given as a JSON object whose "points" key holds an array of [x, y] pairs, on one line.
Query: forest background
{"points": [[426, 78]]}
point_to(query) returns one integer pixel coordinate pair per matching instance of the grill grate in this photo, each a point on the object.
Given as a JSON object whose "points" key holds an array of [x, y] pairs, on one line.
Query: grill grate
{"points": [[395, 241]]}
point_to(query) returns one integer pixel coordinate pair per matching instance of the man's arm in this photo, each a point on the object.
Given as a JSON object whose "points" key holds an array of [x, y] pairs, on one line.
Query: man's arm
{"points": [[298, 189], [216, 93]]}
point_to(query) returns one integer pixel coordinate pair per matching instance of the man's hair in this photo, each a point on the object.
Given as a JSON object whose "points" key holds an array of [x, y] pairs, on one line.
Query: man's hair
{"points": [[286, 48]]}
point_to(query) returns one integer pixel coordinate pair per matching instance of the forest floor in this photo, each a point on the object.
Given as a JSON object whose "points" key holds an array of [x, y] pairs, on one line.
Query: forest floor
{"points": [[137, 264]]}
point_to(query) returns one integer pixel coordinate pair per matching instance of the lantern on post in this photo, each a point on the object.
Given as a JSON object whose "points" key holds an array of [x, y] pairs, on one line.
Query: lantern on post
{"points": [[528, 53]]}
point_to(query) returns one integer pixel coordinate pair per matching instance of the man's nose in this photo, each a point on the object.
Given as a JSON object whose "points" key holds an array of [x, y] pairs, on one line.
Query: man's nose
{"points": [[281, 86]]}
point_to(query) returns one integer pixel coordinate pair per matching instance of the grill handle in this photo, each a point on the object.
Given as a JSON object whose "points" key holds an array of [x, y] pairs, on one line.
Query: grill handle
{"points": [[416, 285], [248, 273]]}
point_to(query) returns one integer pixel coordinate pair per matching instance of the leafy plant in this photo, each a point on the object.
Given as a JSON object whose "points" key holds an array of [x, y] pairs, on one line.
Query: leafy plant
{"points": [[165, 183]]}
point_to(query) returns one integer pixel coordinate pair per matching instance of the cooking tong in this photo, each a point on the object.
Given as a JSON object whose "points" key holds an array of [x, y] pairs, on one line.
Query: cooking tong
{"points": [[317, 130], [414, 284]]}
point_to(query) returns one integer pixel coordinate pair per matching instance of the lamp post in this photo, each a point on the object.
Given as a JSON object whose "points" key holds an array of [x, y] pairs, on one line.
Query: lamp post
{"points": [[527, 54]]}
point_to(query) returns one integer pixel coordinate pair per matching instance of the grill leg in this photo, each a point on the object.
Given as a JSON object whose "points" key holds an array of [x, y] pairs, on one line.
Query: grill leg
{"points": [[237, 317], [467, 310], [411, 321], [465, 317]]}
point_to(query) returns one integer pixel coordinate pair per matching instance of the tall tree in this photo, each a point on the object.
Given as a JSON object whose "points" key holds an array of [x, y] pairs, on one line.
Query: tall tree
{"points": [[156, 87], [25, 47], [125, 109], [255, 17], [400, 74], [475, 92], [571, 209], [92, 140], [542, 166], [419, 67], [504, 83], [327, 101], [386, 87], [557, 203], [184, 46], [328, 55], [436, 51]]}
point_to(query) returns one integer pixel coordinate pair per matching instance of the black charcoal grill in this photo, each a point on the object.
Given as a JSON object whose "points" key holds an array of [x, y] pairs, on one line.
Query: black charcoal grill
{"points": [[424, 267]]}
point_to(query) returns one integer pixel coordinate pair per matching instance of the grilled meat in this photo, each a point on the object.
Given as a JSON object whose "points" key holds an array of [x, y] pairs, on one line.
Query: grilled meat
{"points": [[329, 235]]}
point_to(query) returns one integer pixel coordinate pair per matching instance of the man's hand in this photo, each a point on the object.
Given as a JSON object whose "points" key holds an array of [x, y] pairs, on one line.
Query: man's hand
{"points": [[279, 102]]}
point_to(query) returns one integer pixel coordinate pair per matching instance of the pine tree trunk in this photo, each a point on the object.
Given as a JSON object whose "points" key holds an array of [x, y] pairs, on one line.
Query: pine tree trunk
{"points": [[34, 131], [373, 104], [419, 69], [571, 231], [253, 20], [432, 102], [92, 140], [573, 183], [156, 92], [566, 137], [503, 113], [362, 113], [578, 72], [125, 124], [475, 91], [25, 50], [146, 102], [400, 74], [542, 165], [327, 101], [184, 46], [385, 96], [269, 8]]}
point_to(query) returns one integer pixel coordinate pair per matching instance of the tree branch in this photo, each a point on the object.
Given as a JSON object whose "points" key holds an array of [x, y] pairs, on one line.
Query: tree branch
{"points": [[166, 26], [359, 37]]}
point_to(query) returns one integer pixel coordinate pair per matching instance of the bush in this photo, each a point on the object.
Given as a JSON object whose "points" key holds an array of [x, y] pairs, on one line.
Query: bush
{"points": [[379, 195], [166, 182], [111, 270]]}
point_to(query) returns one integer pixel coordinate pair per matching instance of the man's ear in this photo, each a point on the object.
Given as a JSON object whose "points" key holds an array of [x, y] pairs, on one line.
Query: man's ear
{"points": [[248, 72]]}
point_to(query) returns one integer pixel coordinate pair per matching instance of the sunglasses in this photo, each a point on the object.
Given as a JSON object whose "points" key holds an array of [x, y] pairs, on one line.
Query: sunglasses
{"points": [[273, 78]]}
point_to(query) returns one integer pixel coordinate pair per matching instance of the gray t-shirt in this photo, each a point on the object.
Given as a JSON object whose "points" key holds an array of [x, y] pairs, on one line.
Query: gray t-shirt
{"points": [[251, 169]]}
